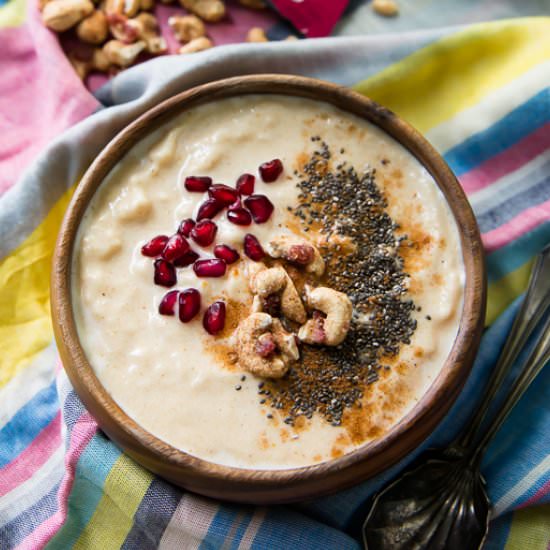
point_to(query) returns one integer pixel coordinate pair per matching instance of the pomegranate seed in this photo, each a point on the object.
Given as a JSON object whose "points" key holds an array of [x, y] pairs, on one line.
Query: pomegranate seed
{"points": [[198, 184], [226, 253], [252, 248], [223, 193], [190, 304], [265, 345], [260, 207], [302, 254], [239, 216], [175, 248], [209, 208], [186, 226], [271, 170], [214, 318], [204, 232], [188, 258], [245, 184], [165, 273], [210, 268], [166, 306], [155, 246]]}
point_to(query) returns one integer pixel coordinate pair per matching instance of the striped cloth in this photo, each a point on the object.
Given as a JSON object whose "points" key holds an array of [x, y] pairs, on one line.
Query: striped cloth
{"points": [[480, 95]]}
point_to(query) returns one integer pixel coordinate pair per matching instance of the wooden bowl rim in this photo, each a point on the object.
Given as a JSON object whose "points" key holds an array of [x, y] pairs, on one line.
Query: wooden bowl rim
{"points": [[434, 403]]}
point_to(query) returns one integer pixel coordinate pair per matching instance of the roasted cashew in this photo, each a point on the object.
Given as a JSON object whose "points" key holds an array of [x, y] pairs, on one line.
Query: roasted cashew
{"points": [[149, 32], [264, 347], [94, 29], [256, 34], [333, 329], [208, 10], [122, 54], [128, 8], [186, 27], [196, 45], [61, 15], [266, 282], [297, 251]]}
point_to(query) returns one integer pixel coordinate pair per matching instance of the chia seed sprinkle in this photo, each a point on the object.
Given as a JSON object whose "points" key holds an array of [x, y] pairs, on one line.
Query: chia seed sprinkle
{"points": [[238, 387], [362, 259]]}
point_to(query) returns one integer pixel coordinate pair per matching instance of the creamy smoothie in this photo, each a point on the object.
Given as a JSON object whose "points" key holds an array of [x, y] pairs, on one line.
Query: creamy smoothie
{"points": [[267, 282]]}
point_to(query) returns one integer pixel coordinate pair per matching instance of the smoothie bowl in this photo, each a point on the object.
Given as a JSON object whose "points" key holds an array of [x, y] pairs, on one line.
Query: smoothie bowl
{"points": [[268, 288]]}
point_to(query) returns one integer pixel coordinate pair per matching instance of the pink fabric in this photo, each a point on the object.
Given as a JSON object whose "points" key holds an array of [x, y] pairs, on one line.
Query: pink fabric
{"points": [[40, 95], [82, 433], [313, 18], [526, 221], [32, 458], [540, 494], [508, 161]]}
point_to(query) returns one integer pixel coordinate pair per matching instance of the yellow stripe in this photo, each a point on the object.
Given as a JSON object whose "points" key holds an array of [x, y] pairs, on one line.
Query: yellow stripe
{"points": [[530, 529], [503, 292], [124, 489], [12, 14], [25, 325], [440, 80]]}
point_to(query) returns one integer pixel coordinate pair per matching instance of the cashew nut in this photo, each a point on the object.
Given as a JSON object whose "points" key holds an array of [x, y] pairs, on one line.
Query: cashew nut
{"points": [[149, 32], [333, 329], [208, 10], [297, 251], [129, 8], [122, 54], [267, 282], [61, 15], [263, 346], [146, 5], [256, 34], [197, 45], [100, 62], [387, 8], [94, 29], [186, 27], [123, 29]]}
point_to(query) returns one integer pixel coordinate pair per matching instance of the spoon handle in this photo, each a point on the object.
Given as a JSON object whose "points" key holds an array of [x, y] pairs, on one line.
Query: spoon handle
{"points": [[532, 366], [536, 302]]}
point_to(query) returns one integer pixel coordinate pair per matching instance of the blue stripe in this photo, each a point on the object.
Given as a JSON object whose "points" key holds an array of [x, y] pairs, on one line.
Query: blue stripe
{"points": [[92, 468], [517, 253], [27, 423], [505, 211], [240, 531], [480, 147], [219, 528], [25, 523]]}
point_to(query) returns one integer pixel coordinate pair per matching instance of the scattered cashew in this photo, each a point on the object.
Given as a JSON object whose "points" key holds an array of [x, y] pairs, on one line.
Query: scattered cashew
{"points": [[94, 29], [61, 15], [263, 346], [208, 10], [123, 29], [253, 4], [197, 45], [297, 251], [129, 8], [186, 27], [387, 8], [275, 280], [122, 54], [333, 329], [146, 5], [256, 34], [149, 32]]}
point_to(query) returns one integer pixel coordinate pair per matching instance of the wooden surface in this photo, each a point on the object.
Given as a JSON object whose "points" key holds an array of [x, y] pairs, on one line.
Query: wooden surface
{"points": [[271, 486]]}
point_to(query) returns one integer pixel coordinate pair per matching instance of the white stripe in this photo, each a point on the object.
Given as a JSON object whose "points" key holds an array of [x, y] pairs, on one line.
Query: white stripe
{"points": [[252, 529], [490, 109], [507, 186], [27, 383], [31, 491], [189, 524], [521, 487]]}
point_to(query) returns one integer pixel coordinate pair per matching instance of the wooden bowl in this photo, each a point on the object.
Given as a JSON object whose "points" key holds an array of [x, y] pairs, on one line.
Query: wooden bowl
{"points": [[271, 486]]}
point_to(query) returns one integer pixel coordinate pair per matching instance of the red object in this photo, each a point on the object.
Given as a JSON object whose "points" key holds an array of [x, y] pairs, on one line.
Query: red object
{"points": [[166, 306], [155, 246], [223, 193], [260, 207], [210, 268], [204, 232], [175, 248], [271, 170], [198, 184], [245, 184], [189, 304], [226, 253], [188, 258], [252, 248], [313, 18], [214, 318], [209, 208], [165, 273], [239, 216], [186, 226]]}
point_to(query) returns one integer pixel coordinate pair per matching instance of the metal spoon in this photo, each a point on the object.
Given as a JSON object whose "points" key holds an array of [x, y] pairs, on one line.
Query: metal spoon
{"points": [[442, 504]]}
